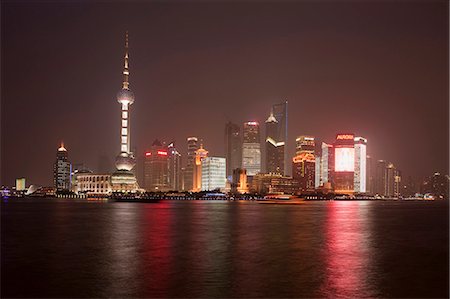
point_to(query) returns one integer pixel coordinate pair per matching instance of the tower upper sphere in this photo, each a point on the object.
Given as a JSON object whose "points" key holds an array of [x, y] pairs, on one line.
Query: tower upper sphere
{"points": [[125, 96]]}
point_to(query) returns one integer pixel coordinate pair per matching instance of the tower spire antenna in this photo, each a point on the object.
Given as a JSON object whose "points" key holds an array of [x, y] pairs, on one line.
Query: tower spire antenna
{"points": [[126, 71]]}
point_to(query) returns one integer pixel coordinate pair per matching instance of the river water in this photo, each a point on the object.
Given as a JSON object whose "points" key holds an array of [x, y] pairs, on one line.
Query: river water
{"points": [[347, 249]]}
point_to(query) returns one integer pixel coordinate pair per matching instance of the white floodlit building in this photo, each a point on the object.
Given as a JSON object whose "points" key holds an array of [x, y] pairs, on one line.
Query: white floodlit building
{"points": [[213, 173], [360, 164]]}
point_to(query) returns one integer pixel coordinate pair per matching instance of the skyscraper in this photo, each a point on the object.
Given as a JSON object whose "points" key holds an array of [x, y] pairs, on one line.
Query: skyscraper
{"points": [[280, 112], [369, 176], [251, 148], [124, 179], [213, 173], [62, 170], [304, 163], [360, 176], [327, 163], [200, 155], [274, 148], [190, 163], [233, 147], [174, 175], [156, 168], [380, 187], [305, 144], [344, 167]]}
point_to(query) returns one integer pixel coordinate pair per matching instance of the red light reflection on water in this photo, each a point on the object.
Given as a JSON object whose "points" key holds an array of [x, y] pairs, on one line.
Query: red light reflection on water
{"points": [[157, 255], [347, 251]]}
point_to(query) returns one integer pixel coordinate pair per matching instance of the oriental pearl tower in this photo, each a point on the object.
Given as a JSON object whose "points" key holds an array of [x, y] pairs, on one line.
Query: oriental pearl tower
{"points": [[123, 179]]}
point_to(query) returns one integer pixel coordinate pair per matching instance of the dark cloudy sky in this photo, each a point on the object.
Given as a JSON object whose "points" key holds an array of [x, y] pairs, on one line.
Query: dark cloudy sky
{"points": [[378, 69]]}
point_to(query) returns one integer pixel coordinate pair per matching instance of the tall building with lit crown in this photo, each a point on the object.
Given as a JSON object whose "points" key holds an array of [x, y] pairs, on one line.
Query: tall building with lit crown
{"points": [[213, 173], [233, 147], [156, 168], [251, 148], [200, 155], [344, 163], [62, 170], [274, 148], [280, 112], [188, 174], [305, 144], [303, 171], [174, 175], [124, 180], [360, 176]]}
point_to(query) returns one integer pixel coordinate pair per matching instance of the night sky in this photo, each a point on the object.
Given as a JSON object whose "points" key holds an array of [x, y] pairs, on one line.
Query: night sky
{"points": [[378, 69]]}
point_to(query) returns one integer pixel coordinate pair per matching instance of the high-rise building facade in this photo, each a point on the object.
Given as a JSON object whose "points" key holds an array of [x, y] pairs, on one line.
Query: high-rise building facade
{"points": [[213, 173], [251, 148], [303, 171], [156, 168], [233, 147], [369, 175], [360, 176], [344, 163], [280, 112], [327, 163], [274, 147], [20, 184], [239, 183], [123, 179], [62, 170], [188, 175], [174, 171], [305, 144], [318, 172], [200, 155], [304, 163], [380, 186]]}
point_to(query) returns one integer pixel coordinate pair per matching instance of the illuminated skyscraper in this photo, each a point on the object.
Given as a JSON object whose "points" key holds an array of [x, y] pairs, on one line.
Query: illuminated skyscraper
{"points": [[188, 182], [369, 177], [239, 184], [305, 144], [360, 175], [274, 148], [156, 168], [200, 155], [213, 173], [174, 175], [280, 112], [251, 149], [62, 170], [327, 163], [380, 187], [344, 167], [318, 172], [303, 171], [393, 180], [124, 179], [20, 184], [233, 147]]}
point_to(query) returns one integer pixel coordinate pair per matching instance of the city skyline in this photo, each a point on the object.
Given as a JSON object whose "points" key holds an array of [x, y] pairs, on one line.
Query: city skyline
{"points": [[390, 134]]}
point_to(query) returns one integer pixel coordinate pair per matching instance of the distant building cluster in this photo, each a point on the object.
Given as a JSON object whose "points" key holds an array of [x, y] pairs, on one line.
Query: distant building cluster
{"points": [[255, 162]]}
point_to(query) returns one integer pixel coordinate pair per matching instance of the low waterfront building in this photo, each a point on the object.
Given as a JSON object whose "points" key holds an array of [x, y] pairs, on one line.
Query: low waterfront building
{"points": [[93, 183]]}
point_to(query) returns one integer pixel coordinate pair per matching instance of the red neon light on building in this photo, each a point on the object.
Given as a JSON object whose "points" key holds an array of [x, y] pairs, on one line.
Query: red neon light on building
{"points": [[162, 153], [345, 137], [148, 154]]}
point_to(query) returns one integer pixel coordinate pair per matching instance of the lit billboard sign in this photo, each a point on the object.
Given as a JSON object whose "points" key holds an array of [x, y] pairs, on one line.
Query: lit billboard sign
{"points": [[345, 137], [344, 159]]}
